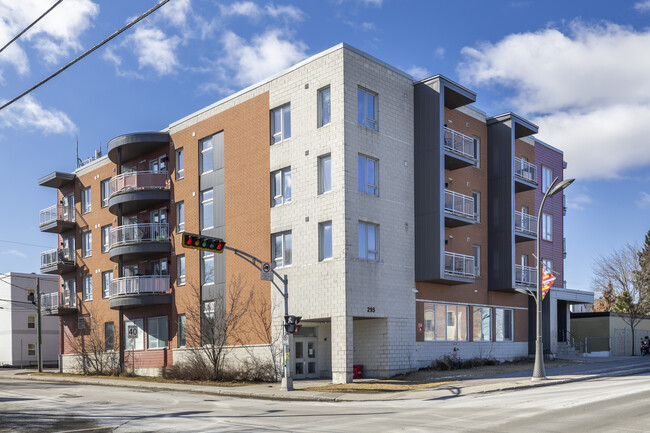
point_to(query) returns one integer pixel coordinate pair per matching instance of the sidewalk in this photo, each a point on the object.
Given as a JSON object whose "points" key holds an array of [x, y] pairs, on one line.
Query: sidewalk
{"points": [[455, 385]]}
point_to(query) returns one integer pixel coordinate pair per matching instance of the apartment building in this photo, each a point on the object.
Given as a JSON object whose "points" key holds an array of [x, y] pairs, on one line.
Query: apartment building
{"points": [[390, 205]]}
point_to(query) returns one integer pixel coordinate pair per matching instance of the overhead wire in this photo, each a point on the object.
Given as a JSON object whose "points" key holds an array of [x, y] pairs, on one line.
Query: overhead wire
{"points": [[31, 25]]}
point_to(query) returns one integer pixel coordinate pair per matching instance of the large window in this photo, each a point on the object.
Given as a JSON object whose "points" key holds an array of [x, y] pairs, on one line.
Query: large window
{"points": [[367, 108], [180, 269], [325, 240], [281, 186], [324, 174], [85, 200], [280, 123], [504, 324], [368, 175], [181, 330], [109, 336], [107, 281], [207, 209], [547, 227], [207, 158], [88, 288], [207, 267], [445, 322], [482, 324], [157, 332], [106, 191], [180, 171], [324, 107], [106, 238], [281, 249], [368, 241], [137, 343], [87, 244], [547, 178]]}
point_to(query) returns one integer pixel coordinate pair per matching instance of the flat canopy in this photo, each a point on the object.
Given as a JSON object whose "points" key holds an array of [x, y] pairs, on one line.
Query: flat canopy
{"points": [[57, 179], [136, 144]]}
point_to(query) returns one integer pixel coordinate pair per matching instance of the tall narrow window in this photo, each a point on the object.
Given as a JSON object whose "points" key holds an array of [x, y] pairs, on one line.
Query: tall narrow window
{"points": [[85, 200], [207, 158], [88, 288], [281, 249], [504, 324], [324, 174], [477, 205], [109, 336], [180, 269], [180, 216], [547, 178], [106, 191], [207, 267], [107, 282], [547, 227], [180, 171], [87, 244], [325, 240], [367, 168], [106, 238], [70, 292], [368, 241], [367, 108], [181, 330], [482, 324], [31, 349], [280, 123], [207, 209], [477, 151], [476, 249], [324, 107], [281, 187], [157, 332], [31, 322]]}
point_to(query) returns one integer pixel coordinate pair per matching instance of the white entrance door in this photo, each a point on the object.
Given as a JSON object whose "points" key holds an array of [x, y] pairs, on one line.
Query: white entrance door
{"points": [[305, 360]]}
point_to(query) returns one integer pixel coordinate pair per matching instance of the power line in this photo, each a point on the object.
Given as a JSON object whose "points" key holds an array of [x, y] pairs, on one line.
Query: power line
{"points": [[30, 26], [128, 26], [23, 243]]}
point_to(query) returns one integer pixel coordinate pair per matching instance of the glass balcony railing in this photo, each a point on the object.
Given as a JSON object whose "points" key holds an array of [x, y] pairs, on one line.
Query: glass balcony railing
{"points": [[57, 256], [140, 285], [50, 301], [58, 212], [525, 170], [459, 265], [459, 204], [141, 232], [525, 223], [525, 276], [138, 180], [459, 143]]}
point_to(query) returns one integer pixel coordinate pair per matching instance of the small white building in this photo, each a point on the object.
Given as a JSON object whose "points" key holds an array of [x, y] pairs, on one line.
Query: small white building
{"points": [[18, 320]]}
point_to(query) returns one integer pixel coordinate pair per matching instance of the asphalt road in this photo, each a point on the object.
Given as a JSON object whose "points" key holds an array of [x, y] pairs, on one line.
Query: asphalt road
{"points": [[615, 404]]}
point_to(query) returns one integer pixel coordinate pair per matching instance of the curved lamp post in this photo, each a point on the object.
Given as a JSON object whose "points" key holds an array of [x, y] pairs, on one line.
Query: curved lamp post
{"points": [[538, 369]]}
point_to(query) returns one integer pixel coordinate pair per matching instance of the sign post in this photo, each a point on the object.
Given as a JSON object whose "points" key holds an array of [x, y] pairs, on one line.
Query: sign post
{"points": [[133, 334]]}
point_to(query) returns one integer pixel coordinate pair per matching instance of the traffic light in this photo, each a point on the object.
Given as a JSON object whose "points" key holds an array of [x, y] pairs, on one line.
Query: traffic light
{"points": [[204, 243], [291, 324]]}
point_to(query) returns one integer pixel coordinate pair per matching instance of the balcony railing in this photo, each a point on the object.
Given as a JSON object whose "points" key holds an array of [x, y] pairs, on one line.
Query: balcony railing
{"points": [[140, 285], [58, 212], [525, 170], [139, 180], [54, 300], [136, 233], [525, 223], [459, 143], [56, 256], [459, 265], [525, 275], [459, 204]]}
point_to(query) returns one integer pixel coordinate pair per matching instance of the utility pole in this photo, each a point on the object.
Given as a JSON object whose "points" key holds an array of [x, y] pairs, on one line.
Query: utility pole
{"points": [[38, 326]]}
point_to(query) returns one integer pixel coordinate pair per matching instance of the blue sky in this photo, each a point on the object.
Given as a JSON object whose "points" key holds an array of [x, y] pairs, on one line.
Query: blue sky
{"points": [[578, 69]]}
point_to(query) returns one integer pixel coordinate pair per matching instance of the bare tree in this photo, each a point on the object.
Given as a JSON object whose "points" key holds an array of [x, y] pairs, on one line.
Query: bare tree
{"points": [[261, 316]]}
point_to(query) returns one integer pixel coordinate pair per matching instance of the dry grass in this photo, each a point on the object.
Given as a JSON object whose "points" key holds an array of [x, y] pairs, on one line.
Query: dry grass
{"points": [[147, 379]]}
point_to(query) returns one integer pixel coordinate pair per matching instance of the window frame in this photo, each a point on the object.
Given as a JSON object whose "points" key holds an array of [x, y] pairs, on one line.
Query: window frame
{"points": [[325, 240], [203, 155], [106, 284], [286, 258], [324, 115], [153, 332], [140, 341], [181, 337], [547, 227], [284, 133], [205, 204], [325, 173], [366, 252], [438, 328], [180, 276], [547, 178], [31, 349], [483, 320], [284, 195], [105, 187], [86, 202], [180, 216], [87, 243], [106, 242], [363, 182], [180, 164], [362, 109], [501, 323], [106, 336], [476, 252], [476, 149], [31, 322], [476, 195], [87, 291], [207, 257]]}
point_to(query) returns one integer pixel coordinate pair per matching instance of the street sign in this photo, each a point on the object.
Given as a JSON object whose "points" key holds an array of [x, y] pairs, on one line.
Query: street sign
{"points": [[266, 274], [133, 331], [285, 339]]}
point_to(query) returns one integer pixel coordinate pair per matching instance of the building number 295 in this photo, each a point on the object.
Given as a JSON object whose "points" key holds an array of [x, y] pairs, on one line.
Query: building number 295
{"points": [[371, 309]]}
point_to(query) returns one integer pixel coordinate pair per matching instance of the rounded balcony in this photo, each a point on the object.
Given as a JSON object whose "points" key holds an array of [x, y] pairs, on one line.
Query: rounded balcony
{"points": [[140, 291], [134, 241], [130, 146], [138, 190]]}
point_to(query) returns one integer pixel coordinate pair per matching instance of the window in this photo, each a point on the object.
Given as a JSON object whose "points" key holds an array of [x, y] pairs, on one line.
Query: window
{"points": [[68, 208], [368, 175], [280, 124], [180, 216], [207, 267], [324, 174], [31, 322], [367, 108], [547, 178], [87, 244], [31, 349], [476, 249], [324, 107], [106, 238], [30, 295], [109, 336], [281, 249], [180, 269], [138, 343], [548, 264], [477, 205], [503, 324], [85, 200], [207, 159], [181, 330], [482, 324], [281, 187], [476, 151], [368, 248], [88, 288], [547, 227], [325, 240], [107, 282], [445, 322], [207, 209], [70, 292], [106, 191], [180, 171], [158, 332]]}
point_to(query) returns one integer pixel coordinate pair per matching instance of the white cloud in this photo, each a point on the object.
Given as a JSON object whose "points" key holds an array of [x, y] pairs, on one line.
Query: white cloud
{"points": [[586, 88], [177, 12], [377, 3], [255, 12], [643, 6], [440, 52], [263, 56], [644, 201], [246, 9], [289, 13], [578, 202], [15, 253], [418, 72], [156, 50], [27, 113]]}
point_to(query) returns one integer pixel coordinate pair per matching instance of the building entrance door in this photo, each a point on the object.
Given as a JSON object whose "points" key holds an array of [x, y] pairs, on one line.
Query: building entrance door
{"points": [[305, 363]]}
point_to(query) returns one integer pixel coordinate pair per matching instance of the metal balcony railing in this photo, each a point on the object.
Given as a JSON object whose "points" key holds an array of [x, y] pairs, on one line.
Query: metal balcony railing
{"points": [[141, 232], [459, 204], [459, 265], [525, 170], [56, 256], [140, 284], [525, 275], [58, 212], [139, 180], [459, 143], [53, 300], [526, 223]]}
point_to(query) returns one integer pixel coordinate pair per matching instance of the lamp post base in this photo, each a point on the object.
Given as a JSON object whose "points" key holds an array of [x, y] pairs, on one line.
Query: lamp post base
{"points": [[538, 369], [287, 384]]}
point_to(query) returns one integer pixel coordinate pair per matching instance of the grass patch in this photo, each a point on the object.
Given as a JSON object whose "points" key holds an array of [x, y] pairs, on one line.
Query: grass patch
{"points": [[375, 386], [147, 379]]}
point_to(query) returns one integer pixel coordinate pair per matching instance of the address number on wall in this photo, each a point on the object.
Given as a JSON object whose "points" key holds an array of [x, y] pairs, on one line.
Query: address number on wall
{"points": [[371, 309]]}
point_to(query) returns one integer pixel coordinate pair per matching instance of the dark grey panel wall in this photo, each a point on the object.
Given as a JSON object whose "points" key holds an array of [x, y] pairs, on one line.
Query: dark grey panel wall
{"points": [[501, 147], [546, 324]]}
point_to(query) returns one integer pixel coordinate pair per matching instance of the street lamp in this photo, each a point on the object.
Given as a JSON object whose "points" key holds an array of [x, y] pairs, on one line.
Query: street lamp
{"points": [[538, 369]]}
